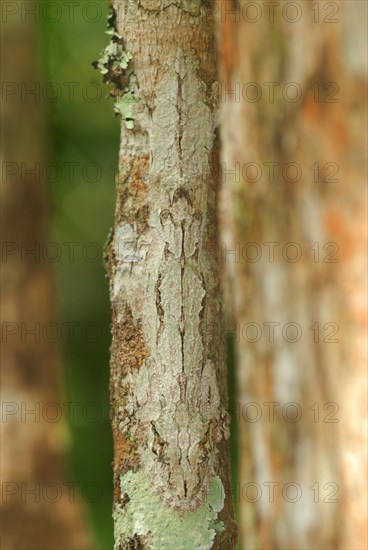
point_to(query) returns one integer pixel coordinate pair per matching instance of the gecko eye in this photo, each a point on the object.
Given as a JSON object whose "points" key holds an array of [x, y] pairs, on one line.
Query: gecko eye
{"points": [[182, 193], [164, 216]]}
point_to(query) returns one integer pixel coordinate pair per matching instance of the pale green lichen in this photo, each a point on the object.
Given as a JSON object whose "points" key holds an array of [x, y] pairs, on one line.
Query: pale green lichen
{"points": [[114, 66], [146, 515], [123, 106], [113, 58]]}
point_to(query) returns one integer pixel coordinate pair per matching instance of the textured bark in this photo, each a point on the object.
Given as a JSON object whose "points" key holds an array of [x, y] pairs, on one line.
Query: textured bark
{"points": [[37, 509], [307, 291], [168, 368]]}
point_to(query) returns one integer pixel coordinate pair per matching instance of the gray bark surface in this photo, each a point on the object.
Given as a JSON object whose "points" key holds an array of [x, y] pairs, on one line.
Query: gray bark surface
{"points": [[168, 366]]}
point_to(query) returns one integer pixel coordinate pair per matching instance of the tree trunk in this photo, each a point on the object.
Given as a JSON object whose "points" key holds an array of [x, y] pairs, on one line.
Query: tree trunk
{"points": [[40, 506], [293, 241], [168, 368]]}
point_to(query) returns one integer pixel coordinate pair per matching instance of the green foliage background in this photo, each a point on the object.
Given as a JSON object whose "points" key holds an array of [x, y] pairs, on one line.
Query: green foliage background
{"points": [[83, 130]]}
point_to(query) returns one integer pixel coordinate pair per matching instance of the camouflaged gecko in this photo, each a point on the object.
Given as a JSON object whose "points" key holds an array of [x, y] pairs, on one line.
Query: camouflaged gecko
{"points": [[177, 391], [172, 402]]}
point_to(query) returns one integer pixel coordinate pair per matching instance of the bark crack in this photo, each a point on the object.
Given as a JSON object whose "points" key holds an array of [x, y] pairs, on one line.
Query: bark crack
{"points": [[192, 7]]}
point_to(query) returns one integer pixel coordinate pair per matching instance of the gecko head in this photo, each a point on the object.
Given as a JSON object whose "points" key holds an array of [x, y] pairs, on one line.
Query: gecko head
{"points": [[181, 205], [180, 455], [182, 194]]}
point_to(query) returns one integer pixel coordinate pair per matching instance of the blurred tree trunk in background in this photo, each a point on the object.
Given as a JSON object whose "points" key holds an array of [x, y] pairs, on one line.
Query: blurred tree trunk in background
{"points": [[40, 505], [168, 367], [307, 382]]}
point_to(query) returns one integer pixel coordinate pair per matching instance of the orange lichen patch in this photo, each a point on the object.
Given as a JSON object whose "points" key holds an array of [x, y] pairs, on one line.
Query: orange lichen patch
{"points": [[130, 350], [138, 175], [128, 345], [132, 184], [134, 171], [124, 454]]}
